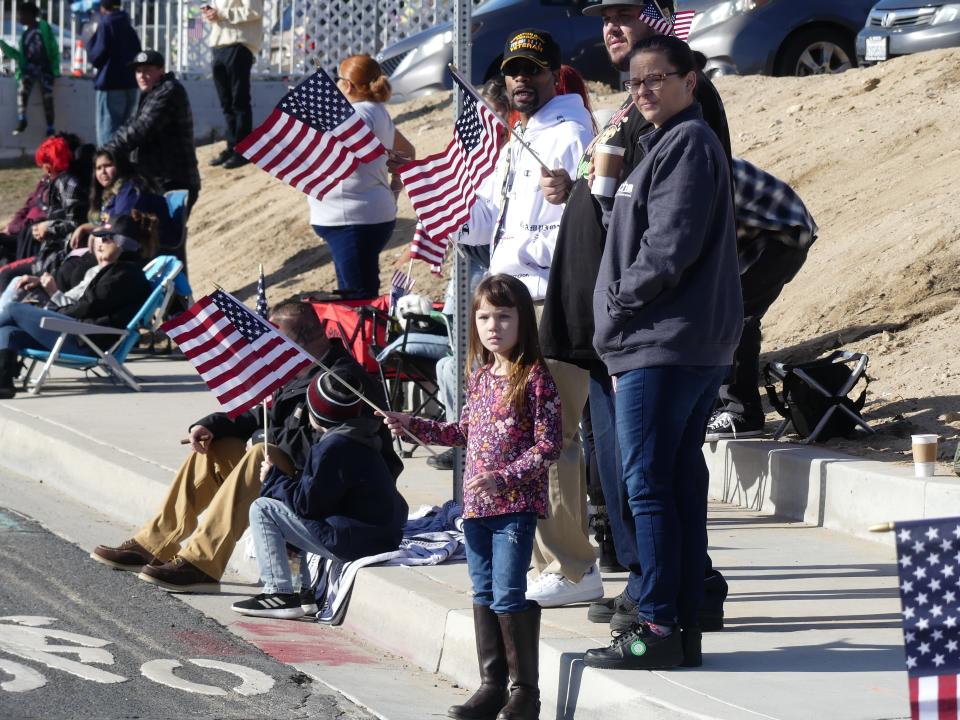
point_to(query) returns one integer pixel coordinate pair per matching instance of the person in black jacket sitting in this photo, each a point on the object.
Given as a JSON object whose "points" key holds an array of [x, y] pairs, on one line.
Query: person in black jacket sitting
{"points": [[221, 477], [343, 505], [158, 139], [112, 297]]}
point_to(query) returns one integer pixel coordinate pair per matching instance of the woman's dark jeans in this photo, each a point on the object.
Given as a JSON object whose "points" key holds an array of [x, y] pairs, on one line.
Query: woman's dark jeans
{"points": [[356, 254], [662, 415]]}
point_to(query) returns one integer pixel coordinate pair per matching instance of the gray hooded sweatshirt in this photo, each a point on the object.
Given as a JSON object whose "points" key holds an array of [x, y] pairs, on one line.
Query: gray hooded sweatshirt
{"points": [[668, 291]]}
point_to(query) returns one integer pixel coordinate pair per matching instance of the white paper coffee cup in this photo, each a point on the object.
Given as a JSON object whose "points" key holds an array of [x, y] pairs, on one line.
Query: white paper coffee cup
{"points": [[607, 164], [924, 454]]}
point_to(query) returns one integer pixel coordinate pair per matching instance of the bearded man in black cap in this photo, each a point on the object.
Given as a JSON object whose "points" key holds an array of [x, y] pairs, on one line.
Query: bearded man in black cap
{"points": [[566, 330]]}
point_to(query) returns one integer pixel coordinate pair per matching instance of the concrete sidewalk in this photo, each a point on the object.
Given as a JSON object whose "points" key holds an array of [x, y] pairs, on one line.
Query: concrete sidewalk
{"points": [[812, 618]]}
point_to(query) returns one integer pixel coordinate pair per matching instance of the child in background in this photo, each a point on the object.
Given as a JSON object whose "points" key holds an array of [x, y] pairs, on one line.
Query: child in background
{"points": [[511, 426], [38, 61]]}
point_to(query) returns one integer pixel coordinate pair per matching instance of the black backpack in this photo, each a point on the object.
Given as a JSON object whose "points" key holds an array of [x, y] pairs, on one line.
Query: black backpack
{"points": [[803, 404]]}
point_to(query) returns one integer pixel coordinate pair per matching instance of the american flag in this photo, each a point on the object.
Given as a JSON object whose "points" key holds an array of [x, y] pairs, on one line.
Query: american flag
{"points": [[240, 357], [443, 187], [682, 20], [313, 138], [194, 25], [652, 16], [262, 308], [400, 285], [423, 248], [928, 554]]}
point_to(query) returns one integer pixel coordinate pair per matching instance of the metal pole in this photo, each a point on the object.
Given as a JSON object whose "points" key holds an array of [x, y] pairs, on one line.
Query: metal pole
{"points": [[461, 264]]}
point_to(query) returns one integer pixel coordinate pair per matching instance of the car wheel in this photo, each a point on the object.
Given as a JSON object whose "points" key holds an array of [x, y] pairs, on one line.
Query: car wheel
{"points": [[817, 51]]}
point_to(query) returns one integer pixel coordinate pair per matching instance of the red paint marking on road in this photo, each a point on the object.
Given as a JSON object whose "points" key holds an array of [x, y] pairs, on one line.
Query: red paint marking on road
{"points": [[300, 642], [208, 644]]}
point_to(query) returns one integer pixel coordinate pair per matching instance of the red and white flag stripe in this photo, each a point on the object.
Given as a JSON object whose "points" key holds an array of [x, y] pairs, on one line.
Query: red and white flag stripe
{"points": [[934, 697], [682, 21]]}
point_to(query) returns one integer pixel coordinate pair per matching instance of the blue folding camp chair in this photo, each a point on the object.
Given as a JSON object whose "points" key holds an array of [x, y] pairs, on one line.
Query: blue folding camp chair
{"points": [[162, 273], [177, 209]]}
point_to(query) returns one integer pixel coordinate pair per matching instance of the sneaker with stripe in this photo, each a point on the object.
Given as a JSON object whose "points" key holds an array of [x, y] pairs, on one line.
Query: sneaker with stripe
{"points": [[285, 606]]}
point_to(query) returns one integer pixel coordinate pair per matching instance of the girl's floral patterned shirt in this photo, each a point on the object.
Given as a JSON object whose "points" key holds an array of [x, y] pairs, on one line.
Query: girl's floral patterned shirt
{"points": [[519, 449]]}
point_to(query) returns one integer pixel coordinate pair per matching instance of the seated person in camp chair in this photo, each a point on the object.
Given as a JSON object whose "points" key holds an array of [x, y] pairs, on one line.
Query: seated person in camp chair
{"points": [[344, 505], [113, 295], [221, 477]]}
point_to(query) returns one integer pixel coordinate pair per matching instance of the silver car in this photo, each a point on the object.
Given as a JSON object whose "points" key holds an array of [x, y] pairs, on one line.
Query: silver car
{"points": [[902, 27]]}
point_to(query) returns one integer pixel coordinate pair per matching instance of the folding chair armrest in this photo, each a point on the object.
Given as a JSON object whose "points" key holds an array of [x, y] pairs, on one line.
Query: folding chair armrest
{"points": [[75, 327]]}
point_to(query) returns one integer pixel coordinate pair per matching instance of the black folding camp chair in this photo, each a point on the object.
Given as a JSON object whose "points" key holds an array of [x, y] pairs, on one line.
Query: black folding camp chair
{"points": [[814, 399]]}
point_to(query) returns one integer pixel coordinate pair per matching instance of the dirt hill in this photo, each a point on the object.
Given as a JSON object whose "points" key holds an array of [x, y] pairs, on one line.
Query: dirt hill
{"points": [[870, 151]]}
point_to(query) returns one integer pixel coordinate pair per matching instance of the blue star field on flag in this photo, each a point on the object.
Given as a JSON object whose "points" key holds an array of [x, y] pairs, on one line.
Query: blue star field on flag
{"points": [[318, 103]]}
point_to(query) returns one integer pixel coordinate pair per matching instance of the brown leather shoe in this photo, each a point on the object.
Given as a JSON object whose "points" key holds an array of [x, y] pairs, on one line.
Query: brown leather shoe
{"points": [[179, 576], [130, 555]]}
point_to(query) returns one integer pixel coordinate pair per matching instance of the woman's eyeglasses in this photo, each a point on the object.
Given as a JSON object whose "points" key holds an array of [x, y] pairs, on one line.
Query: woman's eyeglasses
{"points": [[653, 82]]}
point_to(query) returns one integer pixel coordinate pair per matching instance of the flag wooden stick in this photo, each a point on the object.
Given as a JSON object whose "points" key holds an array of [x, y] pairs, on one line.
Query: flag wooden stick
{"points": [[513, 132], [409, 275], [883, 527]]}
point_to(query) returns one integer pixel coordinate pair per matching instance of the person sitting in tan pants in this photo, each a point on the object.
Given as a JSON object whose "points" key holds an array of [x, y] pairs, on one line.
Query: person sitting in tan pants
{"points": [[222, 477]]}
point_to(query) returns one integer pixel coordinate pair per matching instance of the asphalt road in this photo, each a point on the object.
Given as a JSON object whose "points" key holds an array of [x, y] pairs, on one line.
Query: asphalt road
{"points": [[79, 640]]}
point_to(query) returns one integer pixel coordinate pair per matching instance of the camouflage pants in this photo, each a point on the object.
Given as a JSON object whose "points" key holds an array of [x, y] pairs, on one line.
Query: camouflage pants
{"points": [[25, 87]]}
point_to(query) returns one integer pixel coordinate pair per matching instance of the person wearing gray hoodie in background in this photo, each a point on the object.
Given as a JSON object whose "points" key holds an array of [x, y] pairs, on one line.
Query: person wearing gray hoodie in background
{"points": [[668, 315]]}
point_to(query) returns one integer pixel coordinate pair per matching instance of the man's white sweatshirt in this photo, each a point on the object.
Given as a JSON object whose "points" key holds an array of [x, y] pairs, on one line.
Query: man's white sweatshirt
{"points": [[558, 133]]}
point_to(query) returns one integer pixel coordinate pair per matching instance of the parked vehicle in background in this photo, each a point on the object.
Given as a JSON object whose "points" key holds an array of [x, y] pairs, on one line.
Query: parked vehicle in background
{"points": [[417, 65], [777, 37], [902, 27]]}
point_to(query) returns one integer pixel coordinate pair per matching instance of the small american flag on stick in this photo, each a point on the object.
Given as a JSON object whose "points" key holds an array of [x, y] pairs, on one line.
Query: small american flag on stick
{"points": [[194, 25], [240, 356], [928, 556], [312, 139], [443, 187], [682, 20], [652, 16]]}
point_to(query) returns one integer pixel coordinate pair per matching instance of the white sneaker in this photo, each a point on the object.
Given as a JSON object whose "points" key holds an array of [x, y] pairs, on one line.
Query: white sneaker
{"points": [[554, 590]]}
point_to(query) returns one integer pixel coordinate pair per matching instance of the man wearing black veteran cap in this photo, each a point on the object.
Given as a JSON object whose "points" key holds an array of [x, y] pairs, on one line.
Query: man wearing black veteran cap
{"points": [[343, 505], [158, 139], [566, 330], [520, 228]]}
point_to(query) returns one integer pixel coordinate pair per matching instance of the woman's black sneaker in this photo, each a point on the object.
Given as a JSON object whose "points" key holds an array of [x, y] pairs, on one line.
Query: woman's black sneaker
{"points": [[639, 648], [285, 606]]}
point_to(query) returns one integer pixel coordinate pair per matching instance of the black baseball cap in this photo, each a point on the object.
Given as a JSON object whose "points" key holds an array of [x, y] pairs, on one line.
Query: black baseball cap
{"points": [[148, 57], [124, 231], [535, 45]]}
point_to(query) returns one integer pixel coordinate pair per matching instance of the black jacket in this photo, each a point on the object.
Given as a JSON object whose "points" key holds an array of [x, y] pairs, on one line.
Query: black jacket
{"points": [[159, 138], [566, 328], [112, 298], [290, 428], [345, 494]]}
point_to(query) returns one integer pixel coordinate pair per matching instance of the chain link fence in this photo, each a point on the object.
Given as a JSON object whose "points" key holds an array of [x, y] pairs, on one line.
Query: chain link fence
{"points": [[297, 34]]}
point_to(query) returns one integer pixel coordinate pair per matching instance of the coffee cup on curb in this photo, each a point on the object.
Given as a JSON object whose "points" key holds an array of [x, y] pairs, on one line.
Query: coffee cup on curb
{"points": [[924, 454], [607, 164]]}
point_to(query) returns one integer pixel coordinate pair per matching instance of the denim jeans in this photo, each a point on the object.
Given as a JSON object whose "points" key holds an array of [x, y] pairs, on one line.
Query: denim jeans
{"points": [[20, 329], [662, 414], [498, 556], [603, 417], [273, 525], [356, 255], [114, 108], [10, 294]]}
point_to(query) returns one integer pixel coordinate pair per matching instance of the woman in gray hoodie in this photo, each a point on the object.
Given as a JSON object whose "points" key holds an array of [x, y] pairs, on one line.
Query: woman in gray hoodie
{"points": [[668, 315]]}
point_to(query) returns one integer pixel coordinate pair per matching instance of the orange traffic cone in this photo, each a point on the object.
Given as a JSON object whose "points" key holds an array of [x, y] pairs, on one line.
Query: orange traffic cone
{"points": [[79, 59]]}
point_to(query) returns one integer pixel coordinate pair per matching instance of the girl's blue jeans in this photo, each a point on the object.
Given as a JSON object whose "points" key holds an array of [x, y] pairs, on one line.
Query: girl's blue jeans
{"points": [[498, 557]]}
